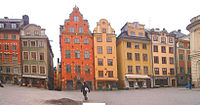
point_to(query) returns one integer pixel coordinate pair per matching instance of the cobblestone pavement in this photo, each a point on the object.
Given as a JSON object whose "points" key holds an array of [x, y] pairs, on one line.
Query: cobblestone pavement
{"points": [[15, 95]]}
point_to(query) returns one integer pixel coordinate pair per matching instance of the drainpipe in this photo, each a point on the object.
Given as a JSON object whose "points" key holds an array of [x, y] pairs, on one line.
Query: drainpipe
{"points": [[152, 77]]}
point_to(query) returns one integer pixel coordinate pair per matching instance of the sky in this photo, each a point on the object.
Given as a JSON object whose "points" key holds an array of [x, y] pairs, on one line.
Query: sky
{"points": [[50, 14]]}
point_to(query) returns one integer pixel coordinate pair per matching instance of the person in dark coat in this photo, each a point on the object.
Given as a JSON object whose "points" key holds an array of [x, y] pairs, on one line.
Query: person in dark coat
{"points": [[85, 89], [1, 84]]}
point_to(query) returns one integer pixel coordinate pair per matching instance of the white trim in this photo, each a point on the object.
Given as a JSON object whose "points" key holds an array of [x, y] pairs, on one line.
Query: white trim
{"points": [[24, 68], [44, 69], [23, 55], [31, 55], [31, 69]]}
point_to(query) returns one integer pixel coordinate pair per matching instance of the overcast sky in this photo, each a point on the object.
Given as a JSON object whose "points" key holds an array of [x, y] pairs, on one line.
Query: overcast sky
{"points": [[49, 14]]}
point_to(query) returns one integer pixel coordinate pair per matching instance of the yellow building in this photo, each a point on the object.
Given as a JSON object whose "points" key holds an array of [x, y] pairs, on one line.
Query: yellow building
{"points": [[163, 55], [133, 57], [105, 56]]}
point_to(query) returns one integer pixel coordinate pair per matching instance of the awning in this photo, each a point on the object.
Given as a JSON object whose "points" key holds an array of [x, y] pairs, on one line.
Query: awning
{"points": [[133, 76], [34, 76]]}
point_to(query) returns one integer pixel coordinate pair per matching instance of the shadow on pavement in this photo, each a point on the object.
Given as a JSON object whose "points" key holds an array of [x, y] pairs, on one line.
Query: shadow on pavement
{"points": [[63, 101]]}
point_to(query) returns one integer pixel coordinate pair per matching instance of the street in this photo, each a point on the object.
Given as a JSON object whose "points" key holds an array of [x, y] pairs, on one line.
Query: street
{"points": [[16, 95]]}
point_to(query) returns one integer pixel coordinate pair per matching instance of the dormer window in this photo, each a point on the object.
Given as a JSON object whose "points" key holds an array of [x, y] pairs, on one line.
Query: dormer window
{"points": [[104, 30], [132, 33], [103, 23], [28, 33], [13, 26], [76, 18], [36, 33], [71, 29], [140, 34], [1, 25], [136, 25]]}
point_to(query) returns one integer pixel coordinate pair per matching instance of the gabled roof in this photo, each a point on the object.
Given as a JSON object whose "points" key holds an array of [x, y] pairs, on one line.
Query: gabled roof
{"points": [[126, 36]]}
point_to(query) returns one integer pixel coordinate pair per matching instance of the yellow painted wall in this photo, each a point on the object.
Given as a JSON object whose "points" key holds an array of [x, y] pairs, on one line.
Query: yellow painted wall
{"points": [[103, 23]]}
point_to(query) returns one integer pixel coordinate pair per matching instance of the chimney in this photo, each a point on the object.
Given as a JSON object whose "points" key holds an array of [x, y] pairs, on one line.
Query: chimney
{"points": [[57, 60], [179, 30], [25, 19]]}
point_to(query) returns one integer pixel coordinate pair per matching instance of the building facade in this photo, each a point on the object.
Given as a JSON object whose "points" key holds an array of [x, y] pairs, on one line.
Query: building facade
{"points": [[134, 57], [105, 58], [163, 57], [194, 28], [76, 44], [10, 56], [183, 62], [37, 57]]}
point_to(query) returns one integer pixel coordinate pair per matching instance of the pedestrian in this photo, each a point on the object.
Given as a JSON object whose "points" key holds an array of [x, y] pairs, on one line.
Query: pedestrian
{"points": [[85, 89], [1, 84]]}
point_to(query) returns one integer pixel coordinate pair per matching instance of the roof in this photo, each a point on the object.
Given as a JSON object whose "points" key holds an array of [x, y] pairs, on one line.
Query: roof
{"points": [[126, 36], [178, 34], [134, 76]]}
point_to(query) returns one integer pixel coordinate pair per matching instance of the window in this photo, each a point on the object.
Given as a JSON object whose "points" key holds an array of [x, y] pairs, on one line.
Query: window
{"points": [[36, 33], [171, 60], [138, 69], [145, 58], [6, 47], [155, 38], [164, 71], [33, 55], [132, 33], [156, 70], [128, 44], [181, 57], [67, 53], [1, 58], [170, 40], [41, 43], [155, 48], [104, 30], [25, 55], [137, 45], [7, 69], [76, 18], [188, 57], [13, 36], [146, 71], [86, 41], [68, 68], [0, 46], [188, 45], [71, 29], [7, 58], [182, 69], [1, 25], [110, 74], [5, 36], [77, 54], [156, 59], [129, 56], [109, 39], [171, 71], [99, 39], [28, 33], [14, 47], [33, 44], [109, 50], [171, 50], [67, 40], [181, 45], [25, 43], [78, 69], [80, 30], [140, 34], [110, 62], [76, 40], [87, 69], [163, 49], [33, 69], [130, 69], [189, 70], [100, 62], [13, 26], [144, 46], [137, 56], [14, 58], [99, 49], [42, 70], [26, 70], [163, 40], [41, 56], [164, 60], [86, 54], [100, 73]]}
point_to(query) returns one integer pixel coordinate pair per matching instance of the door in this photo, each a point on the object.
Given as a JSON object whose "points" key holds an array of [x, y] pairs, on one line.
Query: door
{"points": [[69, 85], [173, 83], [78, 85]]}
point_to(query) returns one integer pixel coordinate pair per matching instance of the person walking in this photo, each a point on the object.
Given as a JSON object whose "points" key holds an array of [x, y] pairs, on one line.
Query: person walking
{"points": [[85, 89], [1, 84]]}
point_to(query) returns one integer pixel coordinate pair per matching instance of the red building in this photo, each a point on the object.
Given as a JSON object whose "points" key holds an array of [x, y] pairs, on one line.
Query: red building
{"points": [[10, 55], [76, 44]]}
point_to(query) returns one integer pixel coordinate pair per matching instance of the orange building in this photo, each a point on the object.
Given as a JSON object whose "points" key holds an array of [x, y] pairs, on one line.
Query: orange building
{"points": [[76, 44]]}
